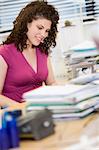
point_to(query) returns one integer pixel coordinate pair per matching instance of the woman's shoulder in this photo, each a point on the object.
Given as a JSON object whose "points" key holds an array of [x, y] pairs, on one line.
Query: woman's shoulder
{"points": [[7, 50], [7, 47]]}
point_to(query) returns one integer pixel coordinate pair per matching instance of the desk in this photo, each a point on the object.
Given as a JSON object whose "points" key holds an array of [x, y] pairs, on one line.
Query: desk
{"points": [[66, 133]]}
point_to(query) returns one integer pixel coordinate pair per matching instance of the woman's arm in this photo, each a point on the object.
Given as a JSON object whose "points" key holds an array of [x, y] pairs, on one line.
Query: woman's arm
{"points": [[5, 101], [50, 79], [3, 70]]}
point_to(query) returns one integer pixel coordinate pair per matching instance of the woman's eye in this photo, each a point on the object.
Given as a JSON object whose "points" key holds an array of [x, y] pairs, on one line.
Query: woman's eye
{"points": [[47, 31], [40, 28]]}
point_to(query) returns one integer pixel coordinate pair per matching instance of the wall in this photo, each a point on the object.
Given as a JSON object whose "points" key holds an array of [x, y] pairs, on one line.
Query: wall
{"points": [[73, 35], [91, 30]]}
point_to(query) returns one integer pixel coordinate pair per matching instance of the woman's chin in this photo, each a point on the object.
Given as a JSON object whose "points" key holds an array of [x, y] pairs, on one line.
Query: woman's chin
{"points": [[36, 44]]}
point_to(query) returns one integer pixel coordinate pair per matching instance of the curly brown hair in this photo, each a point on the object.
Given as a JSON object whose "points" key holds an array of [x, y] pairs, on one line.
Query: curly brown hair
{"points": [[33, 11]]}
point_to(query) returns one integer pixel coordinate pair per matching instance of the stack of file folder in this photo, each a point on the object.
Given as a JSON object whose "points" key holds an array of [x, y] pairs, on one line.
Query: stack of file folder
{"points": [[85, 49], [68, 101]]}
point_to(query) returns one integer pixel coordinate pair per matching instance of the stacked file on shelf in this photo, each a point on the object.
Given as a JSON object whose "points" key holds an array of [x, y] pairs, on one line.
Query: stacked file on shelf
{"points": [[69, 101], [85, 79], [85, 49], [84, 46]]}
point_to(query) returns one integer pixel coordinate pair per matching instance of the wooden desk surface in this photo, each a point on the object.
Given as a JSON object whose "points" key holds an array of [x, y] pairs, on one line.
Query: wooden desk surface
{"points": [[67, 132]]}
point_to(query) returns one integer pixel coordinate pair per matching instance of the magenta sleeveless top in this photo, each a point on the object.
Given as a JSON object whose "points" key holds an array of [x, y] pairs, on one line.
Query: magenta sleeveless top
{"points": [[20, 76]]}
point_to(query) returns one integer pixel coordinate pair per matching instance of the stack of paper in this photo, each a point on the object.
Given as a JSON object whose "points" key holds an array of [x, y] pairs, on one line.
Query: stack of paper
{"points": [[53, 94], [69, 101]]}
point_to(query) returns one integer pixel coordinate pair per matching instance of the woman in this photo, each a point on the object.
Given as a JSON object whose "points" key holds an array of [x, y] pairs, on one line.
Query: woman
{"points": [[24, 56]]}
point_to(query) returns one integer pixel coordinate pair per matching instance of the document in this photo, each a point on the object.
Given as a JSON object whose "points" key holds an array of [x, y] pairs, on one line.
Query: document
{"points": [[53, 94]]}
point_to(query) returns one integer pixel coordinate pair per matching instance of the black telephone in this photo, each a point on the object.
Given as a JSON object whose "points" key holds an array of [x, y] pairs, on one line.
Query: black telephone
{"points": [[36, 124]]}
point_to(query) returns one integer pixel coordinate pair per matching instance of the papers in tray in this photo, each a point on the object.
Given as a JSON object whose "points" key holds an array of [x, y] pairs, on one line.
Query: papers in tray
{"points": [[53, 94]]}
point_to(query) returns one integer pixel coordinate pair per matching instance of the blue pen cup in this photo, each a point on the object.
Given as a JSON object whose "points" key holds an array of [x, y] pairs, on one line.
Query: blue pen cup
{"points": [[4, 139], [13, 132]]}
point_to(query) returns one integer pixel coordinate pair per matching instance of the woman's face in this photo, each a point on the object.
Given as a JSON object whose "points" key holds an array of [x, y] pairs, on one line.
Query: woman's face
{"points": [[37, 31]]}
